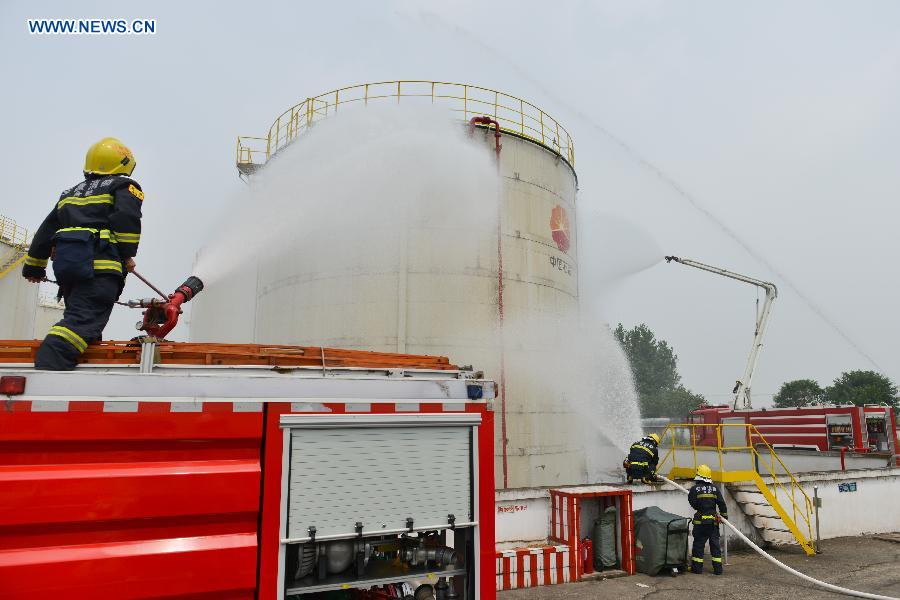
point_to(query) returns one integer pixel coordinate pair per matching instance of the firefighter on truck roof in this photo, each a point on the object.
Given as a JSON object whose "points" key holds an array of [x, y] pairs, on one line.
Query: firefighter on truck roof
{"points": [[705, 498], [92, 236], [642, 459]]}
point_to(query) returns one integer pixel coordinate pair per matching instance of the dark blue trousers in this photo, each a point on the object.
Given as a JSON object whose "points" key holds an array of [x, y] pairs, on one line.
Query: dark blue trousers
{"points": [[702, 534], [88, 307]]}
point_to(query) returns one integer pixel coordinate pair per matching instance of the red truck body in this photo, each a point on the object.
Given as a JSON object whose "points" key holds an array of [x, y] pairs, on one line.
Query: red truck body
{"points": [[870, 428], [173, 483]]}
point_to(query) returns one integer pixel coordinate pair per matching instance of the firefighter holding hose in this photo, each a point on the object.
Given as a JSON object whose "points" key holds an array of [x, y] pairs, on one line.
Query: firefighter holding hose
{"points": [[642, 460], [92, 236], [705, 497]]}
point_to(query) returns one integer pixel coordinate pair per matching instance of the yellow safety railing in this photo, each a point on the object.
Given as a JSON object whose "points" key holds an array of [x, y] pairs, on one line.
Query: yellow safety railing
{"points": [[515, 115], [11, 233], [698, 442], [16, 238]]}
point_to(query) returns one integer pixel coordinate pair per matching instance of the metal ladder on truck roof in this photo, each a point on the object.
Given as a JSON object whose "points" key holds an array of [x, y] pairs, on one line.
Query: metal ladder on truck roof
{"points": [[14, 244], [766, 490]]}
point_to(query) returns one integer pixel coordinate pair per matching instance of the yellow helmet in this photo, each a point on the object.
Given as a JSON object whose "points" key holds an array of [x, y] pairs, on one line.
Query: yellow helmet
{"points": [[655, 437], [704, 471], [109, 156]]}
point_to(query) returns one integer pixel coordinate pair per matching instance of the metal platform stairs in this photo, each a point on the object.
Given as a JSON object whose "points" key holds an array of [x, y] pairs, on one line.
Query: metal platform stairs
{"points": [[762, 485]]}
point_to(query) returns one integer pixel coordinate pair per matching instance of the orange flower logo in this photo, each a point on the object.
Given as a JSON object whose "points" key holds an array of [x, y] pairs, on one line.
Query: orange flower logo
{"points": [[559, 228]]}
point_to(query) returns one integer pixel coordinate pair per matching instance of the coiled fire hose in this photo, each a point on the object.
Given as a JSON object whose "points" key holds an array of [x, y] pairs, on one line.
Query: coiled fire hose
{"points": [[831, 588]]}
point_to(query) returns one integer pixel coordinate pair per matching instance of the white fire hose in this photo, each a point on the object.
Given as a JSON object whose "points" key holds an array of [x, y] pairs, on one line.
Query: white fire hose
{"points": [[831, 588]]}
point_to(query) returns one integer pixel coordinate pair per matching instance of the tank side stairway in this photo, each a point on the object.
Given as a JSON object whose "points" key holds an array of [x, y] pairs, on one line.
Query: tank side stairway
{"points": [[765, 518], [766, 490]]}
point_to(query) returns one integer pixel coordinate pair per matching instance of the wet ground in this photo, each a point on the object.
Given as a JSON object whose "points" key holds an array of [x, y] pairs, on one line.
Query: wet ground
{"points": [[861, 563]]}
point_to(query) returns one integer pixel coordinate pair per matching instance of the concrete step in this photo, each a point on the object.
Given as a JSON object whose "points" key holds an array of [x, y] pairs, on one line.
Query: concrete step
{"points": [[748, 496], [779, 537], [760, 510], [768, 522]]}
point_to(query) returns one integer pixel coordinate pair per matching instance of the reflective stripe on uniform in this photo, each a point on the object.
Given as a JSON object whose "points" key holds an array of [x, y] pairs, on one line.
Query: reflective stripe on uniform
{"points": [[105, 234], [650, 452], [107, 265], [707, 516], [639, 464], [715, 559], [706, 495], [35, 262], [77, 201], [64, 229], [70, 336], [695, 559], [127, 238]]}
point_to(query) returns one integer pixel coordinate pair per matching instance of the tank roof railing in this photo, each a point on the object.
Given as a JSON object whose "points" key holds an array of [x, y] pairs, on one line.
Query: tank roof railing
{"points": [[516, 116], [12, 234]]}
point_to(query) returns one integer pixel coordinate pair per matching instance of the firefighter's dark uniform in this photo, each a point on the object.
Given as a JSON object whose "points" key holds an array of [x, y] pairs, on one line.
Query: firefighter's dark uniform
{"points": [[94, 227], [643, 458], [705, 498]]}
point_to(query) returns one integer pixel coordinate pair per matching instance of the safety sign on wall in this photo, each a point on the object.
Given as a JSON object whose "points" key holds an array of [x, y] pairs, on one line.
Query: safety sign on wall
{"points": [[847, 487]]}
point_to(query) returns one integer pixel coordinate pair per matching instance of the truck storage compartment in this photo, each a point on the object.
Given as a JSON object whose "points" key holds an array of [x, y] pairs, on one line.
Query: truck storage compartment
{"points": [[380, 500]]}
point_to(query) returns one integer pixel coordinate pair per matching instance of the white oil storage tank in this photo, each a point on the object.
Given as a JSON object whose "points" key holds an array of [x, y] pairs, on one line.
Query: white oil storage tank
{"points": [[440, 278], [18, 297]]}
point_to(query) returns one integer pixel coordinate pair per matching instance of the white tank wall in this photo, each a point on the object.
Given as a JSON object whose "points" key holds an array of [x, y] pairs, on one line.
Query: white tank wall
{"points": [[46, 314], [433, 289], [225, 311], [18, 299]]}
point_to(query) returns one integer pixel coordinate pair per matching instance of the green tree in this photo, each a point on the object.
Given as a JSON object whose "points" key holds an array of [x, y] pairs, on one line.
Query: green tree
{"points": [[800, 392], [862, 387], [655, 368], [676, 403]]}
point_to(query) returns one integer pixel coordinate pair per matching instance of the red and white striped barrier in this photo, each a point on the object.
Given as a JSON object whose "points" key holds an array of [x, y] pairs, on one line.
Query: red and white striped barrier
{"points": [[533, 566]]}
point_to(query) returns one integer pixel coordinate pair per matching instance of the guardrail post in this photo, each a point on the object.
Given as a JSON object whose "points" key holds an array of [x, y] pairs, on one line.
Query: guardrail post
{"points": [[719, 447], [817, 502], [466, 102], [522, 114]]}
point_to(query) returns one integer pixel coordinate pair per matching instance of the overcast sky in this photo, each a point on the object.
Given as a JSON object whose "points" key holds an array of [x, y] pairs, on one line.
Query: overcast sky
{"points": [[780, 119]]}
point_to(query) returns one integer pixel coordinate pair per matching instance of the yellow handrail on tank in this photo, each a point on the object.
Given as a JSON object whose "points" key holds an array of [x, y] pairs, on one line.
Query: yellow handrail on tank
{"points": [[11, 233], [516, 116], [16, 238], [770, 475]]}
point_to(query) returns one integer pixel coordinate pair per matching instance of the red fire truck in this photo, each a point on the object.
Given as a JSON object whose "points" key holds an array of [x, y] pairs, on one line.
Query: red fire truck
{"points": [[201, 471], [869, 428]]}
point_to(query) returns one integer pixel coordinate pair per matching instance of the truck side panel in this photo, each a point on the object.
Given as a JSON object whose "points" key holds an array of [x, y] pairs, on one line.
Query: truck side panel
{"points": [[128, 500]]}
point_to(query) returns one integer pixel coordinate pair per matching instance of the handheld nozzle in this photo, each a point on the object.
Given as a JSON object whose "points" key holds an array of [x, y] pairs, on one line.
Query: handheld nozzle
{"points": [[191, 287], [161, 317]]}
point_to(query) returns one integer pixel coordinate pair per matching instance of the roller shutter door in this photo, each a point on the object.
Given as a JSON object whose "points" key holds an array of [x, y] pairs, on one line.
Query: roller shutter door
{"points": [[379, 476]]}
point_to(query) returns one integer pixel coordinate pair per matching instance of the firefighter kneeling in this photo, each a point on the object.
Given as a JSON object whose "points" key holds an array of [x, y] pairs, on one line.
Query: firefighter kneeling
{"points": [[705, 498], [643, 457]]}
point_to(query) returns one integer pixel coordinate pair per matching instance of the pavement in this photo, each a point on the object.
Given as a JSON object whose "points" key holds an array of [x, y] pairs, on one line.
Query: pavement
{"points": [[862, 563]]}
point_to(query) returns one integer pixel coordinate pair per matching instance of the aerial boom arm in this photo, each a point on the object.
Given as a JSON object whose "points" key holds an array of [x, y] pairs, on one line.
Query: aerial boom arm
{"points": [[742, 386]]}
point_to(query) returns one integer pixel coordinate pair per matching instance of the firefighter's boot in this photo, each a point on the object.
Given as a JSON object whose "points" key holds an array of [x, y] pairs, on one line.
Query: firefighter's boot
{"points": [[697, 565]]}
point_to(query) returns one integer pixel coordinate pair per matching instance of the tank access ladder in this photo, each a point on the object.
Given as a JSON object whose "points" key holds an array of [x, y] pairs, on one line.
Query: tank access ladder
{"points": [[778, 506]]}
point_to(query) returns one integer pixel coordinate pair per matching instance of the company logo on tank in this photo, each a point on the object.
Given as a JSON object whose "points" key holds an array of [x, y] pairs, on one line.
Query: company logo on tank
{"points": [[559, 228]]}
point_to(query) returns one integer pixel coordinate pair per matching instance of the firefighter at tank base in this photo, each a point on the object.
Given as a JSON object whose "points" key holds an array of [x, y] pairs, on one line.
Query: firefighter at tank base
{"points": [[705, 499], [91, 235], [642, 460]]}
